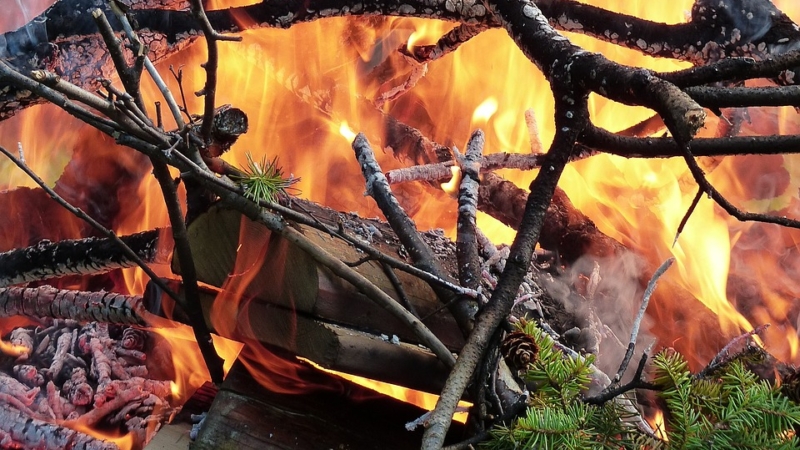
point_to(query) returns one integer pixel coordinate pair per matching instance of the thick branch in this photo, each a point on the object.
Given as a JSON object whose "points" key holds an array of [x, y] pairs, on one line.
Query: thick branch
{"points": [[87, 256], [49, 302]]}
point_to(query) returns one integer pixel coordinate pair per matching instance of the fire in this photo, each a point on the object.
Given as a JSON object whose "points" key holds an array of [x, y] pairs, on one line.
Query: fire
{"points": [[659, 425], [422, 399], [308, 86]]}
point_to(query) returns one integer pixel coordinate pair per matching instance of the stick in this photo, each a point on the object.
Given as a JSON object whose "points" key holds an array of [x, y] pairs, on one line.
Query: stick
{"points": [[442, 171], [378, 188], [86, 256], [446, 44], [730, 208], [469, 262], [651, 286]]}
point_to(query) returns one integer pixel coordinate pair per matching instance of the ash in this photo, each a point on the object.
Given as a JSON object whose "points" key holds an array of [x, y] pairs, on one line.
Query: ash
{"points": [[63, 376]]}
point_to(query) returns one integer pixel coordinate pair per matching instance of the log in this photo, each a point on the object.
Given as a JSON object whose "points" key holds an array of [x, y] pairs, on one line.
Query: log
{"points": [[47, 259], [331, 413], [47, 302], [288, 277], [343, 348]]}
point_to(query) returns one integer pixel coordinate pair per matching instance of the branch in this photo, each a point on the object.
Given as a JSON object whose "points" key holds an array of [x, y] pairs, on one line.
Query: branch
{"points": [[648, 292], [729, 207], [210, 88], [469, 265], [405, 229], [446, 44], [47, 259], [49, 302], [571, 116]]}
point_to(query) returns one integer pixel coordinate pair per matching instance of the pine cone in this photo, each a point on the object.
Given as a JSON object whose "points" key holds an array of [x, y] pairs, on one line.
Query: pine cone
{"points": [[133, 339], [519, 350], [791, 385]]}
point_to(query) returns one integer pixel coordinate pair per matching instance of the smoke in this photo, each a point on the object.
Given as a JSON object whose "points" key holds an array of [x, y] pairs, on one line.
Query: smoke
{"points": [[614, 298], [753, 18]]}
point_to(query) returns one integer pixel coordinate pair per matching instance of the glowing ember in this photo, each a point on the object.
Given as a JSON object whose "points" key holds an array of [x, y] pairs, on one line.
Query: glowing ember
{"points": [[746, 274]]}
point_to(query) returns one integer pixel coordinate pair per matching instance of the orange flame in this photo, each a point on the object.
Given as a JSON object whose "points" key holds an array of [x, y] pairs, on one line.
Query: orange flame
{"points": [[746, 274]]}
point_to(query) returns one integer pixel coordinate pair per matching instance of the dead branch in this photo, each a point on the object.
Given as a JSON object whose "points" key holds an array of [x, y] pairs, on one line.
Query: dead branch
{"points": [[378, 188], [441, 172], [49, 302], [651, 287], [446, 44], [469, 265], [86, 256]]}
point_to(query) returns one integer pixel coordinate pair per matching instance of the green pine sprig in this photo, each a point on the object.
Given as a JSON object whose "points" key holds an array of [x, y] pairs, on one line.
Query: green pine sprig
{"points": [[264, 180]]}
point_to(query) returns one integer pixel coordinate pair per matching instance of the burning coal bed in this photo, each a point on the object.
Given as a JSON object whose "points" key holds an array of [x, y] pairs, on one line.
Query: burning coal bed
{"points": [[68, 380]]}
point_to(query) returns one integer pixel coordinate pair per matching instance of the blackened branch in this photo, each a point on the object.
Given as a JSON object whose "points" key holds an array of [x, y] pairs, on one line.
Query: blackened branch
{"points": [[423, 257], [730, 208], [666, 147]]}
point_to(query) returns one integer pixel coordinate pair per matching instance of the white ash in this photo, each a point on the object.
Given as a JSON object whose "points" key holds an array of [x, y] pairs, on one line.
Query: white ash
{"points": [[92, 375]]}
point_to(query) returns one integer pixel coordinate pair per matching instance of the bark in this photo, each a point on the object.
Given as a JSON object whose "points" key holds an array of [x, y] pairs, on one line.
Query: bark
{"points": [[87, 256], [48, 302], [63, 39], [34, 433]]}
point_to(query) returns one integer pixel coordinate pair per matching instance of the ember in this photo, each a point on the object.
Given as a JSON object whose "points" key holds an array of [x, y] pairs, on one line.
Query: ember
{"points": [[216, 240], [71, 377]]}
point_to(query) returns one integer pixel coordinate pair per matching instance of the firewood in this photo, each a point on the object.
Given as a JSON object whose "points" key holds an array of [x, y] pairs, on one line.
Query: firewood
{"points": [[92, 255], [308, 287], [33, 433], [49, 302]]}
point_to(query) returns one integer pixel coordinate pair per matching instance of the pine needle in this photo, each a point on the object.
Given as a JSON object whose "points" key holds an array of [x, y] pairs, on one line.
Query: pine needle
{"points": [[264, 180]]}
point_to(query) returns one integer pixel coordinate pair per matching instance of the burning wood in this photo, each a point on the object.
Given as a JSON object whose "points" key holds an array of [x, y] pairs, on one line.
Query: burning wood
{"points": [[80, 378], [47, 302], [280, 267]]}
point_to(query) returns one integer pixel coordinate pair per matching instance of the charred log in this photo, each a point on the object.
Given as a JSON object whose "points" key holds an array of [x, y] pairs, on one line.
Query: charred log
{"points": [[87, 256], [46, 302]]}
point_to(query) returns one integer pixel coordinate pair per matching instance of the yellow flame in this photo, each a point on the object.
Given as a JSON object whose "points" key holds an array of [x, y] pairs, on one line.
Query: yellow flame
{"points": [[347, 132], [424, 400], [11, 349], [484, 111], [451, 187]]}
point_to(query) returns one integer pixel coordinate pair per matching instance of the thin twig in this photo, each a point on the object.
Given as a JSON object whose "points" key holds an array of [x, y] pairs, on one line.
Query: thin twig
{"points": [[398, 288], [151, 69], [128, 76], [615, 390], [688, 214], [648, 292], [210, 88], [730, 208]]}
